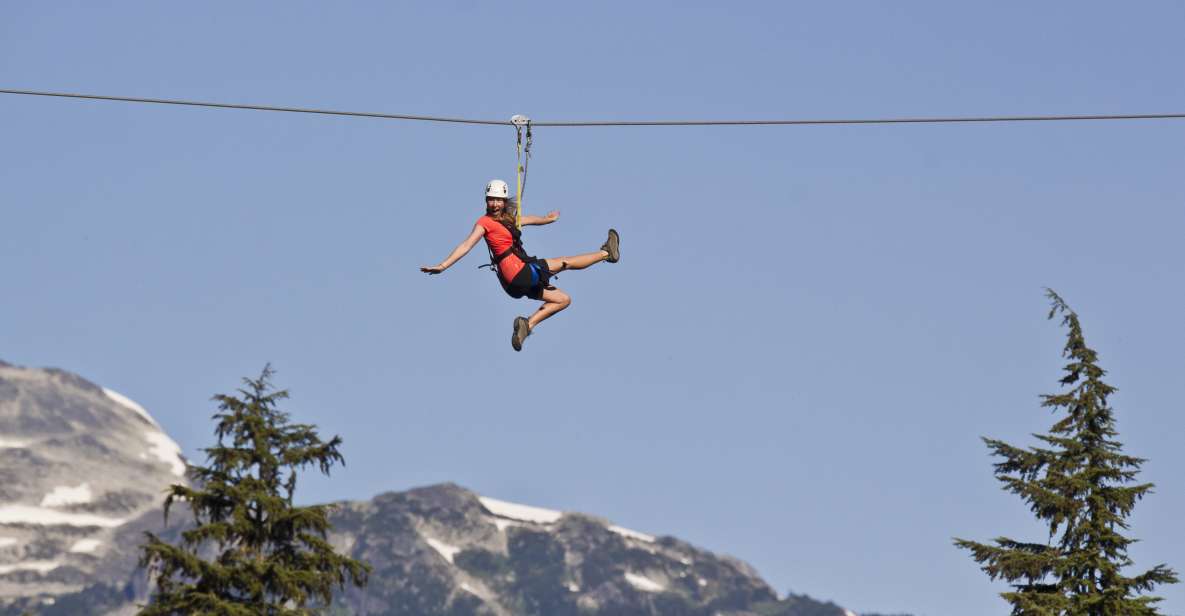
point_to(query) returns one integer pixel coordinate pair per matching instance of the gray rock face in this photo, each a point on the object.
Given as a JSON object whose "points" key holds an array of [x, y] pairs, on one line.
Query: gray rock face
{"points": [[77, 464]]}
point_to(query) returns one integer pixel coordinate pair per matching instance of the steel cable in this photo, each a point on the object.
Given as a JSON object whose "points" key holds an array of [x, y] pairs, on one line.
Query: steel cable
{"points": [[596, 123]]}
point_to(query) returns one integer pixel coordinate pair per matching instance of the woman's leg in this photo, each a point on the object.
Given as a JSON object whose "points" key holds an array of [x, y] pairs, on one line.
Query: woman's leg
{"points": [[554, 300], [585, 260], [560, 264]]}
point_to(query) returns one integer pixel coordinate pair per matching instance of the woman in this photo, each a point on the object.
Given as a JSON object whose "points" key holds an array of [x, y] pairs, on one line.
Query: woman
{"points": [[522, 275]]}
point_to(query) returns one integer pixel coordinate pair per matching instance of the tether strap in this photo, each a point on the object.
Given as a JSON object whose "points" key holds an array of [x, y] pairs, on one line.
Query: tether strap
{"points": [[522, 155]]}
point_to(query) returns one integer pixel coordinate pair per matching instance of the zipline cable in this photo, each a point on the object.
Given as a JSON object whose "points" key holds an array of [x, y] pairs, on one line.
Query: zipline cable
{"points": [[940, 120], [163, 101], [424, 118]]}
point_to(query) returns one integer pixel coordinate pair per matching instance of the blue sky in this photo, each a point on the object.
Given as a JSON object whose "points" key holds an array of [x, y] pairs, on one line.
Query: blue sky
{"points": [[810, 327]]}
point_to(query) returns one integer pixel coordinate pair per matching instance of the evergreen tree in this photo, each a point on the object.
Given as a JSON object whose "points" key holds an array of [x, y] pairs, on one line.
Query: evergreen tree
{"points": [[251, 551], [1078, 484]]}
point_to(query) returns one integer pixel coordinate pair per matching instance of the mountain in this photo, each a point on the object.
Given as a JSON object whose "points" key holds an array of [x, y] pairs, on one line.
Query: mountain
{"points": [[443, 550], [77, 463], [83, 471]]}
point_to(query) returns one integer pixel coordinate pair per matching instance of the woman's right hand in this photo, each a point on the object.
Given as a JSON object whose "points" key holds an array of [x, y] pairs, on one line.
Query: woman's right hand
{"points": [[432, 269]]}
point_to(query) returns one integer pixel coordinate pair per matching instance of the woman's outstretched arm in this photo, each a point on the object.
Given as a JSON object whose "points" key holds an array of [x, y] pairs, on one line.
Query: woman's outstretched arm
{"points": [[540, 220], [461, 250]]}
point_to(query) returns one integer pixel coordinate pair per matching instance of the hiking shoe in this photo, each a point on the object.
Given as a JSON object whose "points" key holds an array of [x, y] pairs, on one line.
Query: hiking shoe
{"points": [[521, 330], [611, 246]]}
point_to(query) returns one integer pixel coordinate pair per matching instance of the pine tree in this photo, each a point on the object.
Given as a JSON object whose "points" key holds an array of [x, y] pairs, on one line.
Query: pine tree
{"points": [[1078, 484], [251, 552]]}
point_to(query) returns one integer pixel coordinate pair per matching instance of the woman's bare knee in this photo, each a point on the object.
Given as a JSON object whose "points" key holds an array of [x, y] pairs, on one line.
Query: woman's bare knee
{"points": [[555, 299], [560, 299]]}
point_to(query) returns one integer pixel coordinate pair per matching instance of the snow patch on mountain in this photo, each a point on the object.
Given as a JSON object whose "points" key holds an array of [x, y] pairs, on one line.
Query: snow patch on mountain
{"points": [[643, 583], [85, 546], [7, 541], [64, 495], [166, 450], [12, 444], [446, 550], [130, 404], [524, 513], [42, 516], [40, 566]]}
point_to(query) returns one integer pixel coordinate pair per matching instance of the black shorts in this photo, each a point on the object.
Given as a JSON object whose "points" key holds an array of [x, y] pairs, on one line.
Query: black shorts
{"points": [[531, 281]]}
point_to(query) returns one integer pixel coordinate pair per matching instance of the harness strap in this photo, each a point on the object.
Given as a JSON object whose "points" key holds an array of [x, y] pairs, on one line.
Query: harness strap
{"points": [[516, 249], [506, 253], [493, 265], [496, 259]]}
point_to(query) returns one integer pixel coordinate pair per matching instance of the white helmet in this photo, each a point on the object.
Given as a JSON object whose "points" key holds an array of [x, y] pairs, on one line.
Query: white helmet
{"points": [[498, 188]]}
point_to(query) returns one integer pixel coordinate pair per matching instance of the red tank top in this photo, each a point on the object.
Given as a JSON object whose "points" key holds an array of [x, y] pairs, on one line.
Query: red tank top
{"points": [[499, 239]]}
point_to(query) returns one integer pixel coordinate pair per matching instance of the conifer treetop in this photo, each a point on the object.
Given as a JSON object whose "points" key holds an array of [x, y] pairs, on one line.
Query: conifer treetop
{"points": [[1082, 486], [251, 550]]}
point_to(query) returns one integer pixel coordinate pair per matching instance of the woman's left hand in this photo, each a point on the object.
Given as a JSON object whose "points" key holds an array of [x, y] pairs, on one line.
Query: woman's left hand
{"points": [[552, 216]]}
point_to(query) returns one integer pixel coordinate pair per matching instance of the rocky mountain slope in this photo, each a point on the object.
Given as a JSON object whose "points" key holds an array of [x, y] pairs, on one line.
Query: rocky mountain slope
{"points": [[77, 463], [443, 550], [82, 474]]}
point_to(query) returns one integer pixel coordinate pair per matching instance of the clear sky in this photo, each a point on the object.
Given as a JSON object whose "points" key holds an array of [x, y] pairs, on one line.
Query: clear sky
{"points": [[809, 329]]}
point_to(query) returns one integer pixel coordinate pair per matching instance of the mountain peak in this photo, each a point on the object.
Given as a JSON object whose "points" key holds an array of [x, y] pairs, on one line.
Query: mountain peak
{"points": [[76, 462], [444, 549]]}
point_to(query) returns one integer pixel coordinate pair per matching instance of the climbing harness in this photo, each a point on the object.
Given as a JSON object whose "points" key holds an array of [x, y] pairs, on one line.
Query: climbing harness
{"points": [[516, 249]]}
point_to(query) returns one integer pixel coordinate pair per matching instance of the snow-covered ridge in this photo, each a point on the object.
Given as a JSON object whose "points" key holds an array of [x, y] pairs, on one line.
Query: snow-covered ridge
{"points": [[130, 404], [166, 450], [161, 446], [510, 514], [632, 534], [523, 513]]}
